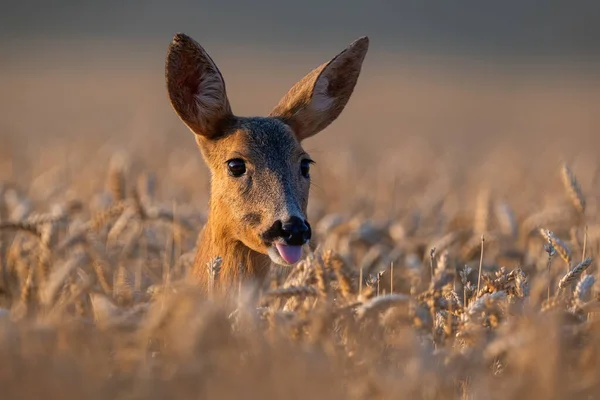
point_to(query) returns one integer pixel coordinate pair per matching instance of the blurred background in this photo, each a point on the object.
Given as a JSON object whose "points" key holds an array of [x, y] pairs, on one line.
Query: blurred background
{"points": [[453, 96]]}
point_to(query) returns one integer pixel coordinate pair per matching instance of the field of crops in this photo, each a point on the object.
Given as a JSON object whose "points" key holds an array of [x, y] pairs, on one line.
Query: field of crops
{"points": [[455, 215]]}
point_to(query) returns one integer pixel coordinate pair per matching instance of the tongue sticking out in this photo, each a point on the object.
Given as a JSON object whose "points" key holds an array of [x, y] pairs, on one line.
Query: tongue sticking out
{"points": [[291, 254]]}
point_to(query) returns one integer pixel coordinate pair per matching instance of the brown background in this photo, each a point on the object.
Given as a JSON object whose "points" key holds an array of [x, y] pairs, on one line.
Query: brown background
{"points": [[451, 97]]}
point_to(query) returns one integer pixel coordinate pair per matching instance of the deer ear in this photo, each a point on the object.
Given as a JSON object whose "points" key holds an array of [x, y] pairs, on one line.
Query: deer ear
{"points": [[318, 99], [196, 87]]}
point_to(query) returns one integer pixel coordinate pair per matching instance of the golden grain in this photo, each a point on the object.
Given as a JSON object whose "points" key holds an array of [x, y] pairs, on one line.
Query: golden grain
{"points": [[574, 274], [573, 188], [367, 313]]}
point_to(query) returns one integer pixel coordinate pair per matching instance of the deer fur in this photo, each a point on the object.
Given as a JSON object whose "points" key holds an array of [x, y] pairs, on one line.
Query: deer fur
{"points": [[242, 209]]}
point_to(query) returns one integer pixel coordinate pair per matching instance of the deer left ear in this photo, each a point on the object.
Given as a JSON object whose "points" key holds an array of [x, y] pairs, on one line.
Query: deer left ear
{"points": [[196, 87], [319, 98]]}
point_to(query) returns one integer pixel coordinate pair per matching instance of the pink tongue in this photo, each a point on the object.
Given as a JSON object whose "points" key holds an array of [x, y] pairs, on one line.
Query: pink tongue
{"points": [[291, 254]]}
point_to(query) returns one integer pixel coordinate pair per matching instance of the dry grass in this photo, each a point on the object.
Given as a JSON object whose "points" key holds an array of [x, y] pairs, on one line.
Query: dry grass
{"points": [[94, 244], [100, 295]]}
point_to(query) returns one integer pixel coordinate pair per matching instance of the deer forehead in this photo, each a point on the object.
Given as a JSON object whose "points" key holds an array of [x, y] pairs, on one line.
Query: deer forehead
{"points": [[263, 142]]}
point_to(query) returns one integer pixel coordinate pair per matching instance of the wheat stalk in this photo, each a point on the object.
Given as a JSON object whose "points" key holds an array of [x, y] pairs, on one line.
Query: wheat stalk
{"points": [[561, 247], [573, 189], [574, 274]]}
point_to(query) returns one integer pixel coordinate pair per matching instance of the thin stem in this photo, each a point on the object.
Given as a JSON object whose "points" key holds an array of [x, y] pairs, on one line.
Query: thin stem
{"points": [[548, 269], [585, 234], [392, 278], [480, 264], [550, 250], [431, 261], [360, 279]]}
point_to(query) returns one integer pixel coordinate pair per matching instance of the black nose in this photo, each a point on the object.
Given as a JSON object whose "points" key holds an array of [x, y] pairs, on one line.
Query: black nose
{"points": [[294, 232]]}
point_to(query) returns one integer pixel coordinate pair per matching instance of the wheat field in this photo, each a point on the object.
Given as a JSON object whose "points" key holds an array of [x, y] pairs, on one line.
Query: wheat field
{"points": [[454, 206]]}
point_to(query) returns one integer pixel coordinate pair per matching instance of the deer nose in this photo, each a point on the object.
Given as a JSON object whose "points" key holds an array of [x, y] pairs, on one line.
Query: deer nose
{"points": [[296, 231]]}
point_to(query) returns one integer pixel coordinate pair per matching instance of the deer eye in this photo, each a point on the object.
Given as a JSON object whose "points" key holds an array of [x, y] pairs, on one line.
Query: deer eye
{"points": [[305, 168], [236, 167]]}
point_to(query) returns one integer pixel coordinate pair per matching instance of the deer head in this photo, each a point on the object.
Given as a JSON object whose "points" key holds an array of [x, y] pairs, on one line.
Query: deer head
{"points": [[260, 174]]}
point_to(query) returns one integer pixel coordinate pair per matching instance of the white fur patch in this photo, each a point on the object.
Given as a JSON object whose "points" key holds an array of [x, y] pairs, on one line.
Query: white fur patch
{"points": [[210, 99], [321, 101]]}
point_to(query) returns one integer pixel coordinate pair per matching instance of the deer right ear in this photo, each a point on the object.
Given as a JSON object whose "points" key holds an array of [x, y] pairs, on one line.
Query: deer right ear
{"points": [[318, 99], [196, 87]]}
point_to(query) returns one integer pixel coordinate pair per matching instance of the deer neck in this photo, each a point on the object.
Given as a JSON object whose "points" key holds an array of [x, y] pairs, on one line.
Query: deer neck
{"points": [[238, 260]]}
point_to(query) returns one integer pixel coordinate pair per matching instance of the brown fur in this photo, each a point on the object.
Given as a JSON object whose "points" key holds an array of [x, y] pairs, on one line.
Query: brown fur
{"points": [[242, 208]]}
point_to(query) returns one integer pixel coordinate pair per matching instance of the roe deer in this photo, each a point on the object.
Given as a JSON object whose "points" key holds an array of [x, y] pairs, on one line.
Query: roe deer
{"points": [[259, 172]]}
